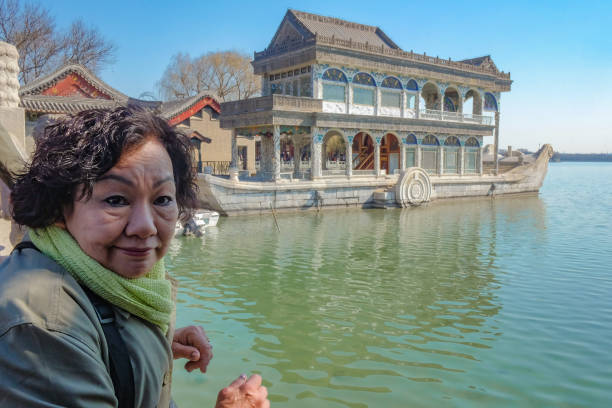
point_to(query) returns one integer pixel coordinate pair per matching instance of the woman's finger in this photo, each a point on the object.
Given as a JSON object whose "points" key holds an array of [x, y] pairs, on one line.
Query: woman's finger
{"points": [[184, 351]]}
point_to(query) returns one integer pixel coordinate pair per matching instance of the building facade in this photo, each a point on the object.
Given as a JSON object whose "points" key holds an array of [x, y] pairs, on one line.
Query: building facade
{"points": [[342, 99], [73, 88]]}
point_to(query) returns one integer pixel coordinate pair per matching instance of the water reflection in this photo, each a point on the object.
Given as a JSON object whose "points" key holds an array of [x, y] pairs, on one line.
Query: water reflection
{"points": [[349, 308]]}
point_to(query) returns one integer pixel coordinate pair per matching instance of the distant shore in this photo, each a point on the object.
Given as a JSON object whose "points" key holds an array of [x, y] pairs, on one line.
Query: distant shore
{"points": [[582, 157]]}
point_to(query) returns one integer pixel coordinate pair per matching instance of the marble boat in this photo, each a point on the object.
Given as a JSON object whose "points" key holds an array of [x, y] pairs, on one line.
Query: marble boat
{"points": [[348, 118]]}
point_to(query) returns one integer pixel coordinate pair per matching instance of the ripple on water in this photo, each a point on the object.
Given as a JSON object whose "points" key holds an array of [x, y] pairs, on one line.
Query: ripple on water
{"points": [[500, 302]]}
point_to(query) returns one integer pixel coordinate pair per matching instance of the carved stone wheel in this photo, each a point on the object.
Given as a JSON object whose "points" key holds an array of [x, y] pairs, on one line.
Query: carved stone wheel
{"points": [[413, 187]]}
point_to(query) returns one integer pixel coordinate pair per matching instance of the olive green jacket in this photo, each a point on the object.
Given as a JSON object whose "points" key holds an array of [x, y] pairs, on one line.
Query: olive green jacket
{"points": [[52, 348]]}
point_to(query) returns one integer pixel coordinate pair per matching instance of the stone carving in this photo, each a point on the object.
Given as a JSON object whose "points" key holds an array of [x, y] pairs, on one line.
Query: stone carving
{"points": [[9, 71], [413, 188]]}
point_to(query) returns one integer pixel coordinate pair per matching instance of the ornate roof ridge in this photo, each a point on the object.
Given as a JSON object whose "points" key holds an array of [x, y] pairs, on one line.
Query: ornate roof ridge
{"points": [[42, 83], [333, 20]]}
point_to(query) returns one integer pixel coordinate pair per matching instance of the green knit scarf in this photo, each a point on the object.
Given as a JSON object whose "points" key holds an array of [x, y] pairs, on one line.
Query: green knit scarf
{"points": [[148, 297]]}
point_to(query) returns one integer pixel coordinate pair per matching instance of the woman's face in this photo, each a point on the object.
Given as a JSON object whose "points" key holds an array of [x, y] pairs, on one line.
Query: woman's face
{"points": [[128, 222]]}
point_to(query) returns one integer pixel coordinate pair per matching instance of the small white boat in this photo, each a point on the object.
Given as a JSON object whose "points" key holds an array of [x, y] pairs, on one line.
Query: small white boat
{"points": [[201, 219]]}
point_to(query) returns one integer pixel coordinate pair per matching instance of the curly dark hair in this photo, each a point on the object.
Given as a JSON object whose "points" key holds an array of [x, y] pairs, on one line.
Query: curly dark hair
{"points": [[78, 149]]}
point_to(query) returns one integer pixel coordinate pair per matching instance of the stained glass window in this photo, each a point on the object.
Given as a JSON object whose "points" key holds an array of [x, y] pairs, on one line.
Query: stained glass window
{"points": [[452, 141], [472, 142], [411, 139], [333, 93], [412, 85], [430, 140], [490, 104], [334, 74], [364, 79], [391, 99], [390, 82], [363, 96]]}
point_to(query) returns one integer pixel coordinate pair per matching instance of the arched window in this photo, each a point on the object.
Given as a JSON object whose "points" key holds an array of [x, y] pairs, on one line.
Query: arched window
{"points": [[335, 75], [334, 85], [451, 155], [391, 96], [410, 157], [490, 104], [412, 88], [391, 82], [452, 141], [364, 92], [429, 154], [472, 142], [470, 161], [430, 140], [364, 79]]}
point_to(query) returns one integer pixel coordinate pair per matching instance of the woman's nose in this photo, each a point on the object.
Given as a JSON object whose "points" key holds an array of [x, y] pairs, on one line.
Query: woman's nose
{"points": [[141, 222]]}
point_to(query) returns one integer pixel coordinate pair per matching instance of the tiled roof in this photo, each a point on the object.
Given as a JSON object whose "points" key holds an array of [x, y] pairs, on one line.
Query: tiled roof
{"points": [[33, 100], [173, 108], [342, 29], [40, 84], [63, 104]]}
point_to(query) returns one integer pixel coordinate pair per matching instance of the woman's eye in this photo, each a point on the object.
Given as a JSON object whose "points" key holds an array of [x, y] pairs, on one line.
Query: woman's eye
{"points": [[163, 200], [116, 201]]}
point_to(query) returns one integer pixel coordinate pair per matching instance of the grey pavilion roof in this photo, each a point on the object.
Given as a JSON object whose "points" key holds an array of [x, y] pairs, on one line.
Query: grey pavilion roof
{"points": [[309, 25]]}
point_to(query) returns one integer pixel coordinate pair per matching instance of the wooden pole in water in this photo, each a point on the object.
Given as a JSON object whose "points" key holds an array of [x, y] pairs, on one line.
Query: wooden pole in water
{"points": [[274, 215]]}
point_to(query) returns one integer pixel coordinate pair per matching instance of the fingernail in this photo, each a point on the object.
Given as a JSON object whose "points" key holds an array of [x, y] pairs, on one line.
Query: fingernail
{"points": [[194, 355]]}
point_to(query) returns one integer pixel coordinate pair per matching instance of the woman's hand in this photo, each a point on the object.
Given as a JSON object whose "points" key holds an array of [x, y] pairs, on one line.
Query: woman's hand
{"points": [[243, 393], [192, 343]]}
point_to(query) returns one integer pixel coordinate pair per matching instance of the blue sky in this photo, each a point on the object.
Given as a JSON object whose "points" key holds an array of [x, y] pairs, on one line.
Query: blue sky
{"points": [[558, 52]]}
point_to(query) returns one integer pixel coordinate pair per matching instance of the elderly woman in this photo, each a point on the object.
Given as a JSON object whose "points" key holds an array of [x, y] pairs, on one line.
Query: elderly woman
{"points": [[86, 308]]}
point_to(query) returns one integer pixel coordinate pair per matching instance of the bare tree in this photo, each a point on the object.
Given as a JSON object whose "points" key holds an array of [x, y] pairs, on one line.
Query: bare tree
{"points": [[31, 28], [86, 46], [227, 75]]}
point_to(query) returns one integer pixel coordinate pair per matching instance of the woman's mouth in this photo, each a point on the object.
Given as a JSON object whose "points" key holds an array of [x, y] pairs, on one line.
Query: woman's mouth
{"points": [[135, 251]]}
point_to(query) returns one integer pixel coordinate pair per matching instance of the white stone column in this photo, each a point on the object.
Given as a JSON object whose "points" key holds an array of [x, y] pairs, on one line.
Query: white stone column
{"points": [[233, 171], [315, 154], [377, 102], [418, 153], [349, 96], [348, 160], [402, 155], [403, 104], [440, 160], [276, 160], [480, 166], [377, 140], [297, 156], [461, 160], [417, 104]]}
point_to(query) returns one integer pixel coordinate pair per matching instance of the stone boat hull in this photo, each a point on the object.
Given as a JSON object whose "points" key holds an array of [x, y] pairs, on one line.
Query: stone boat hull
{"points": [[412, 187]]}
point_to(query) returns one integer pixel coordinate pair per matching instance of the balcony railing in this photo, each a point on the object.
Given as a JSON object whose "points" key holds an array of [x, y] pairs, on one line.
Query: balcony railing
{"points": [[272, 102], [455, 117]]}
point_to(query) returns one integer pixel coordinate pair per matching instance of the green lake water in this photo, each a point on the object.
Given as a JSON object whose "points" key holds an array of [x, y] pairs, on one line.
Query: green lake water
{"points": [[475, 303]]}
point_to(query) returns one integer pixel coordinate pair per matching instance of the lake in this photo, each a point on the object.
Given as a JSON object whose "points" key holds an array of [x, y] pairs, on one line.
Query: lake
{"points": [[471, 303]]}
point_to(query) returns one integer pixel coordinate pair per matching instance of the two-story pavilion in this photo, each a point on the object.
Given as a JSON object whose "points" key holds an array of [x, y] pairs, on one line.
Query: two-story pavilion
{"points": [[342, 99]]}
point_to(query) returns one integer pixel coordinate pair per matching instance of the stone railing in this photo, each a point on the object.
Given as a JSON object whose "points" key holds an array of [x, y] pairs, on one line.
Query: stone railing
{"points": [[382, 50], [272, 102], [455, 117]]}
